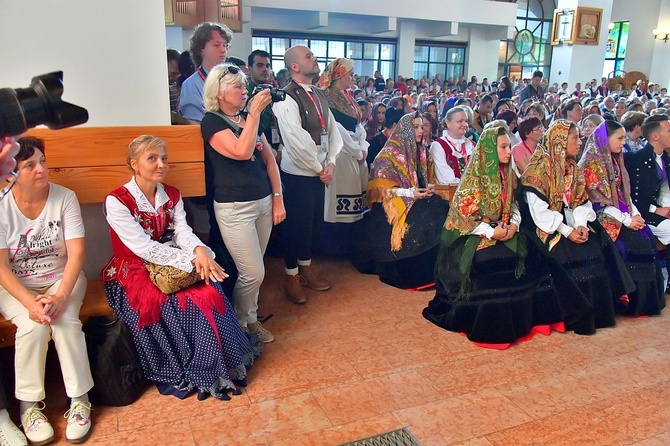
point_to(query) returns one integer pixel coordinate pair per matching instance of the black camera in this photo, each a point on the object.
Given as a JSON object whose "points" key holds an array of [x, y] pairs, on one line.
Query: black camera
{"points": [[276, 94], [40, 103]]}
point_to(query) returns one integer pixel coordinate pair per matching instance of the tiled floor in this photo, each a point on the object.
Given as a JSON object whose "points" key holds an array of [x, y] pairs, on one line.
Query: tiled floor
{"points": [[360, 360]]}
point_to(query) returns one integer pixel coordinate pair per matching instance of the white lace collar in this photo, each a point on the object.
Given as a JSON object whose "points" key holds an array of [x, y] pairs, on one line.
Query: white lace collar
{"points": [[454, 140], [142, 202]]}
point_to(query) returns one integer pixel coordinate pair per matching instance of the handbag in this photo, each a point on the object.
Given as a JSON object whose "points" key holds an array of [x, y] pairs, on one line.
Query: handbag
{"points": [[117, 373], [170, 279]]}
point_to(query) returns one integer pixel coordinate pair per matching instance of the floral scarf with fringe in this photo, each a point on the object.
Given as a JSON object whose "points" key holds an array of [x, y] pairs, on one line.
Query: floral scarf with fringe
{"points": [[551, 174], [402, 164], [607, 181], [486, 191]]}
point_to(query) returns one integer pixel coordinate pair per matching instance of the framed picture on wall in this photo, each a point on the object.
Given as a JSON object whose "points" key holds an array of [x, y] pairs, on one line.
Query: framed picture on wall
{"points": [[563, 26], [587, 25]]}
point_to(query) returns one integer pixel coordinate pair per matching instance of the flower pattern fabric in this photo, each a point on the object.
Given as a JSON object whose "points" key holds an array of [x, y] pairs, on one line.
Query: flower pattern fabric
{"points": [[551, 174], [607, 180], [482, 195], [400, 164]]}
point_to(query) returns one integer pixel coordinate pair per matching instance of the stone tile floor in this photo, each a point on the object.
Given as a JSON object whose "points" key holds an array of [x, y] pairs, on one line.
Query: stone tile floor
{"points": [[359, 360]]}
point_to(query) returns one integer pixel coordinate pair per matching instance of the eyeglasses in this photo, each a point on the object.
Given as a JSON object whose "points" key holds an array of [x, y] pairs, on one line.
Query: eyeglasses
{"points": [[538, 129], [232, 69], [5, 190]]}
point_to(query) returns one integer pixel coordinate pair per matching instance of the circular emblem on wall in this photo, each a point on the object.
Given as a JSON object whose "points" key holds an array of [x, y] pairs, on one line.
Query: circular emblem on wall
{"points": [[524, 42]]}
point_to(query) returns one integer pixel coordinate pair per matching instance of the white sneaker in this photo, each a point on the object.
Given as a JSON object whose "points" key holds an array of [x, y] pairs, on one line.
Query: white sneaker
{"points": [[36, 425], [78, 422], [266, 336], [10, 435]]}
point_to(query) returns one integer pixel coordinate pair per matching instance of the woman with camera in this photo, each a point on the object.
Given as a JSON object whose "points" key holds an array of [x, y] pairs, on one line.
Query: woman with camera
{"points": [[244, 180]]}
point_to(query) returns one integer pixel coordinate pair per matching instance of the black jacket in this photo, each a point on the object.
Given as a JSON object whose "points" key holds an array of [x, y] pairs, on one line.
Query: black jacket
{"points": [[644, 185]]}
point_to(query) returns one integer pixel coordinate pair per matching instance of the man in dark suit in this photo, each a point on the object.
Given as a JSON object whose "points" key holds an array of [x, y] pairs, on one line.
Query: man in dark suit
{"points": [[649, 171]]}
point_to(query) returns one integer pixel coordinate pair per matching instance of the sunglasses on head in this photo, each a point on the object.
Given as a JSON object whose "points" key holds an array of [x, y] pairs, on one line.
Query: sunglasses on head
{"points": [[229, 70]]}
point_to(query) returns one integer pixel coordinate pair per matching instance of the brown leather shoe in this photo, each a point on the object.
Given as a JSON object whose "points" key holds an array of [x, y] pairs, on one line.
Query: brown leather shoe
{"points": [[293, 288], [312, 278]]}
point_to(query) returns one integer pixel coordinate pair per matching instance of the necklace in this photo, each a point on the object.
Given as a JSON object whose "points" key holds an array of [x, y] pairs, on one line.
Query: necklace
{"points": [[236, 115]]}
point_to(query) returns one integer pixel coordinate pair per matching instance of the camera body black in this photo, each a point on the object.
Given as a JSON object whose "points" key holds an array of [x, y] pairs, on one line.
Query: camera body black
{"points": [[276, 94], [40, 103]]}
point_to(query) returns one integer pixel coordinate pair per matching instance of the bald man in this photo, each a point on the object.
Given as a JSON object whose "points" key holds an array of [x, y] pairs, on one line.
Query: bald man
{"points": [[311, 145]]}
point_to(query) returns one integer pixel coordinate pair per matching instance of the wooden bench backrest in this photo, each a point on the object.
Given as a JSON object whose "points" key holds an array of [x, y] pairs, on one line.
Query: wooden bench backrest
{"points": [[92, 160]]}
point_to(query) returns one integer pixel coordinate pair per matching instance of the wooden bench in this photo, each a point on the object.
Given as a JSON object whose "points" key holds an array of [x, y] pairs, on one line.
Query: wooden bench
{"points": [[92, 161]]}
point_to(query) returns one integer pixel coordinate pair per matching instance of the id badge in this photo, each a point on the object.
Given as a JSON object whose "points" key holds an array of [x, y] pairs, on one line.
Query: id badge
{"points": [[275, 136], [570, 218], [324, 141]]}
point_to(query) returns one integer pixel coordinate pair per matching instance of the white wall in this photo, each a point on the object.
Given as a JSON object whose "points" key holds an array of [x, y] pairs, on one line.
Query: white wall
{"points": [[660, 66], [112, 54], [581, 63], [482, 55], [113, 57], [644, 17]]}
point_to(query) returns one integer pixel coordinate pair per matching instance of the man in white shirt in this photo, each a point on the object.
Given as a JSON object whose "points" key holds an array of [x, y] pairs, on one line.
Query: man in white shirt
{"points": [[311, 145]]}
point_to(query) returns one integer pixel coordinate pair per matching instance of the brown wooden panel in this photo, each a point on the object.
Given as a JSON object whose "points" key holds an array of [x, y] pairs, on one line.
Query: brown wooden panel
{"points": [[106, 146], [92, 184]]}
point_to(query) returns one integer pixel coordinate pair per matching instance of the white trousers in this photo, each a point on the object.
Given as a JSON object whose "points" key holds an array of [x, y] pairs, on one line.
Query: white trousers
{"points": [[662, 231], [245, 228], [32, 340]]}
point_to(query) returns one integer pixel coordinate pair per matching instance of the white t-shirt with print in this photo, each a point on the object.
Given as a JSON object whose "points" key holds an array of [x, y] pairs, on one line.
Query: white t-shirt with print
{"points": [[36, 248]]}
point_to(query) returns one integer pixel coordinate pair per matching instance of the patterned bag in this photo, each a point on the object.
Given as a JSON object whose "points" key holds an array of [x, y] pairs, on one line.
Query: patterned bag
{"points": [[169, 279]]}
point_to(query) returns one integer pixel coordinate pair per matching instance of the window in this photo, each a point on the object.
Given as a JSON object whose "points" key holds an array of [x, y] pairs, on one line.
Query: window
{"points": [[368, 55], [615, 49], [447, 60], [530, 48]]}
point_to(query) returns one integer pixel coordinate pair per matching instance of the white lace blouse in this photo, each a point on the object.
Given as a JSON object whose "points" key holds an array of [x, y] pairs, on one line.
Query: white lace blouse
{"points": [[139, 241]]}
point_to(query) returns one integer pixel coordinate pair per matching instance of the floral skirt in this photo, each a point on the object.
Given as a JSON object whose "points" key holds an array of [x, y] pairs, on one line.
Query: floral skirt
{"points": [[182, 352]]}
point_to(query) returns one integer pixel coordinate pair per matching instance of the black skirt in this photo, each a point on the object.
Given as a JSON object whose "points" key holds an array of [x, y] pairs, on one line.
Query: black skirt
{"points": [[414, 264], [641, 259], [498, 307]]}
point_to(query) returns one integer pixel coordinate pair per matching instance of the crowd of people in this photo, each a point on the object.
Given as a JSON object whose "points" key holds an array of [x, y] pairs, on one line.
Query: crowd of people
{"points": [[529, 207]]}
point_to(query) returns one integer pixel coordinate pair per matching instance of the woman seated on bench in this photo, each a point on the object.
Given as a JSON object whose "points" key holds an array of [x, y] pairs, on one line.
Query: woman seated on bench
{"points": [[42, 288], [189, 340]]}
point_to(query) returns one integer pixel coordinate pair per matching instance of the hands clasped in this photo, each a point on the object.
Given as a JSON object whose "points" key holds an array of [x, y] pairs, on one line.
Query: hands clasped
{"points": [[504, 231], [579, 235]]}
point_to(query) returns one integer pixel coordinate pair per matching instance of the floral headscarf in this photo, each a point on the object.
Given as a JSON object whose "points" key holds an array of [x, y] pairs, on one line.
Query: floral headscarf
{"points": [[604, 173], [339, 100], [481, 195], [401, 163], [551, 174]]}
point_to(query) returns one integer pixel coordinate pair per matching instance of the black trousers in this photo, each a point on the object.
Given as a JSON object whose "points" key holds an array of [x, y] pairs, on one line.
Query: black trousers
{"points": [[303, 201], [3, 397]]}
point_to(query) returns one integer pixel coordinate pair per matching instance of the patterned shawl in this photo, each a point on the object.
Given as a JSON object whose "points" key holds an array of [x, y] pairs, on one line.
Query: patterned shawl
{"points": [[551, 174], [479, 196], [338, 99], [603, 171], [401, 163]]}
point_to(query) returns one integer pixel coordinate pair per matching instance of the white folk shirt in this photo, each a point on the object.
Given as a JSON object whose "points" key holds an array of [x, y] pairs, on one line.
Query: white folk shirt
{"points": [[551, 221], [134, 237], [36, 248], [443, 173], [301, 156]]}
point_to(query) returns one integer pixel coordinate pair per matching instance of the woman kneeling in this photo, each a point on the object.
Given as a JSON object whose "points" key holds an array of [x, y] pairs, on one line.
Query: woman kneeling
{"points": [[490, 284]]}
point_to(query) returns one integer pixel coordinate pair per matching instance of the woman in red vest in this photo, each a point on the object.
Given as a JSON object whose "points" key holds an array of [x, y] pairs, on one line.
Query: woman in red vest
{"points": [[451, 152]]}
